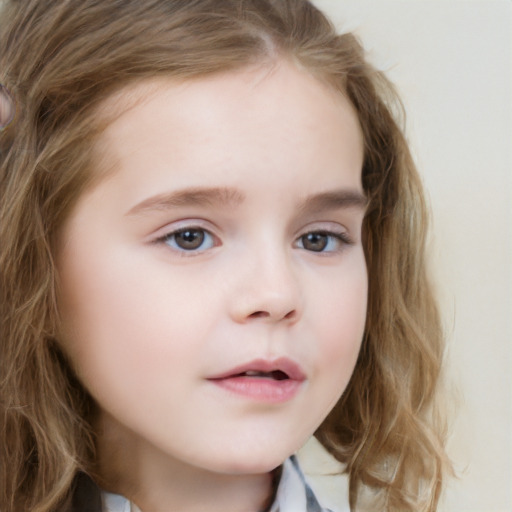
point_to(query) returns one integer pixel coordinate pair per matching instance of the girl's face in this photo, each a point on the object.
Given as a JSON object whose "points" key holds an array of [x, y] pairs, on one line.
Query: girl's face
{"points": [[213, 286]]}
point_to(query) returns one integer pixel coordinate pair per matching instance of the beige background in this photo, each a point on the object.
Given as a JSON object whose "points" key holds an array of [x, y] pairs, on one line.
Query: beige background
{"points": [[452, 62]]}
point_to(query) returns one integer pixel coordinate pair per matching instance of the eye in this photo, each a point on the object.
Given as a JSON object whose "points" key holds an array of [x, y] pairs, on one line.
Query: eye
{"points": [[323, 241], [189, 240]]}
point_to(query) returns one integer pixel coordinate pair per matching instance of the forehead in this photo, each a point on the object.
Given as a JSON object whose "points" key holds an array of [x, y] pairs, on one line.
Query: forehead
{"points": [[278, 81], [230, 121]]}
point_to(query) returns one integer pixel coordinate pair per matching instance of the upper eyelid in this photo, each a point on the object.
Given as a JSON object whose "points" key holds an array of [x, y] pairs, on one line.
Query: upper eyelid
{"points": [[344, 237], [329, 227], [180, 225], [325, 226]]}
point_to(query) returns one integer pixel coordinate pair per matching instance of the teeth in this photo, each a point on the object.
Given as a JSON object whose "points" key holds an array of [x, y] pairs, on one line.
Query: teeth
{"points": [[253, 373], [276, 374]]}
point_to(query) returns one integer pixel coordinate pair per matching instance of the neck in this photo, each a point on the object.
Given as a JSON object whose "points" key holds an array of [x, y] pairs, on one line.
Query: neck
{"points": [[155, 481]]}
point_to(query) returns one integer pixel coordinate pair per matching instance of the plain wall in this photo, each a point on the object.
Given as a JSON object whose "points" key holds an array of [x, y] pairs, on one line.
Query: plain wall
{"points": [[451, 61]]}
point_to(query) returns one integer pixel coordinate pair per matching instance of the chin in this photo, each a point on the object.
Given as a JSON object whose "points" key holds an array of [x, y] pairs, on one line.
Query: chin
{"points": [[254, 462]]}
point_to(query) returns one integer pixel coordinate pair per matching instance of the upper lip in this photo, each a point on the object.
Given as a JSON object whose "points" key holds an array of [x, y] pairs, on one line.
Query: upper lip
{"points": [[292, 370]]}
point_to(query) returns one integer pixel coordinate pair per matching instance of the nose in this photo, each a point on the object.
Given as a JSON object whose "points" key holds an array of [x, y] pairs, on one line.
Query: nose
{"points": [[267, 290]]}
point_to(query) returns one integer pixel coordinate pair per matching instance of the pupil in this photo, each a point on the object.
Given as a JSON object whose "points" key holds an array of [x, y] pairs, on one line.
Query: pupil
{"points": [[314, 241], [190, 238]]}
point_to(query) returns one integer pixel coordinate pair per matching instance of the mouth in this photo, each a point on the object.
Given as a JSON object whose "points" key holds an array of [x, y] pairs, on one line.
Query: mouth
{"points": [[278, 369], [261, 380]]}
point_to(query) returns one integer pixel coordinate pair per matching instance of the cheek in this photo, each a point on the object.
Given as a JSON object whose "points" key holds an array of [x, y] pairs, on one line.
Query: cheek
{"points": [[342, 318], [120, 315]]}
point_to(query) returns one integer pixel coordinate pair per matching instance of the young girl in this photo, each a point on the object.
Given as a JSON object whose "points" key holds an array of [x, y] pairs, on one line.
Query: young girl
{"points": [[212, 248]]}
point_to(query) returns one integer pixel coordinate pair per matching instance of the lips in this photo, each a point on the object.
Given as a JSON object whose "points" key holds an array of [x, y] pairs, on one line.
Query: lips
{"points": [[279, 369], [268, 381]]}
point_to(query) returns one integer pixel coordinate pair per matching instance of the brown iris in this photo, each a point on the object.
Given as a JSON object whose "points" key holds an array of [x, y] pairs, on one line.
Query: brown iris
{"points": [[189, 239], [316, 242]]}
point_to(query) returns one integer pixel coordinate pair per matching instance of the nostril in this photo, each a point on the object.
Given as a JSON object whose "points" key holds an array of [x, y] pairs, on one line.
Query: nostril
{"points": [[266, 314], [260, 314]]}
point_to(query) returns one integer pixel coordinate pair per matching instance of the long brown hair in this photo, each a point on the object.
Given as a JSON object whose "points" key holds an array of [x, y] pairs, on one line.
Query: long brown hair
{"points": [[60, 60]]}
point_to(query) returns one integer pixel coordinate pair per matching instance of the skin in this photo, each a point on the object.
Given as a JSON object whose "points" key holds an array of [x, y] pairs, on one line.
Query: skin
{"points": [[146, 323]]}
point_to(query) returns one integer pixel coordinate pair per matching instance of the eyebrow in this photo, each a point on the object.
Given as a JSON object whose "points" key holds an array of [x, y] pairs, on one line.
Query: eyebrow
{"points": [[230, 197], [196, 196], [334, 200]]}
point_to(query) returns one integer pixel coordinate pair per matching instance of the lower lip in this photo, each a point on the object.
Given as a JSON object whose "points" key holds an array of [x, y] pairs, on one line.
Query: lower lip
{"points": [[261, 389]]}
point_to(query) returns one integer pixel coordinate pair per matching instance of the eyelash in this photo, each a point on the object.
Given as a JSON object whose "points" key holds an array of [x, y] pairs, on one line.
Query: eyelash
{"points": [[342, 239]]}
